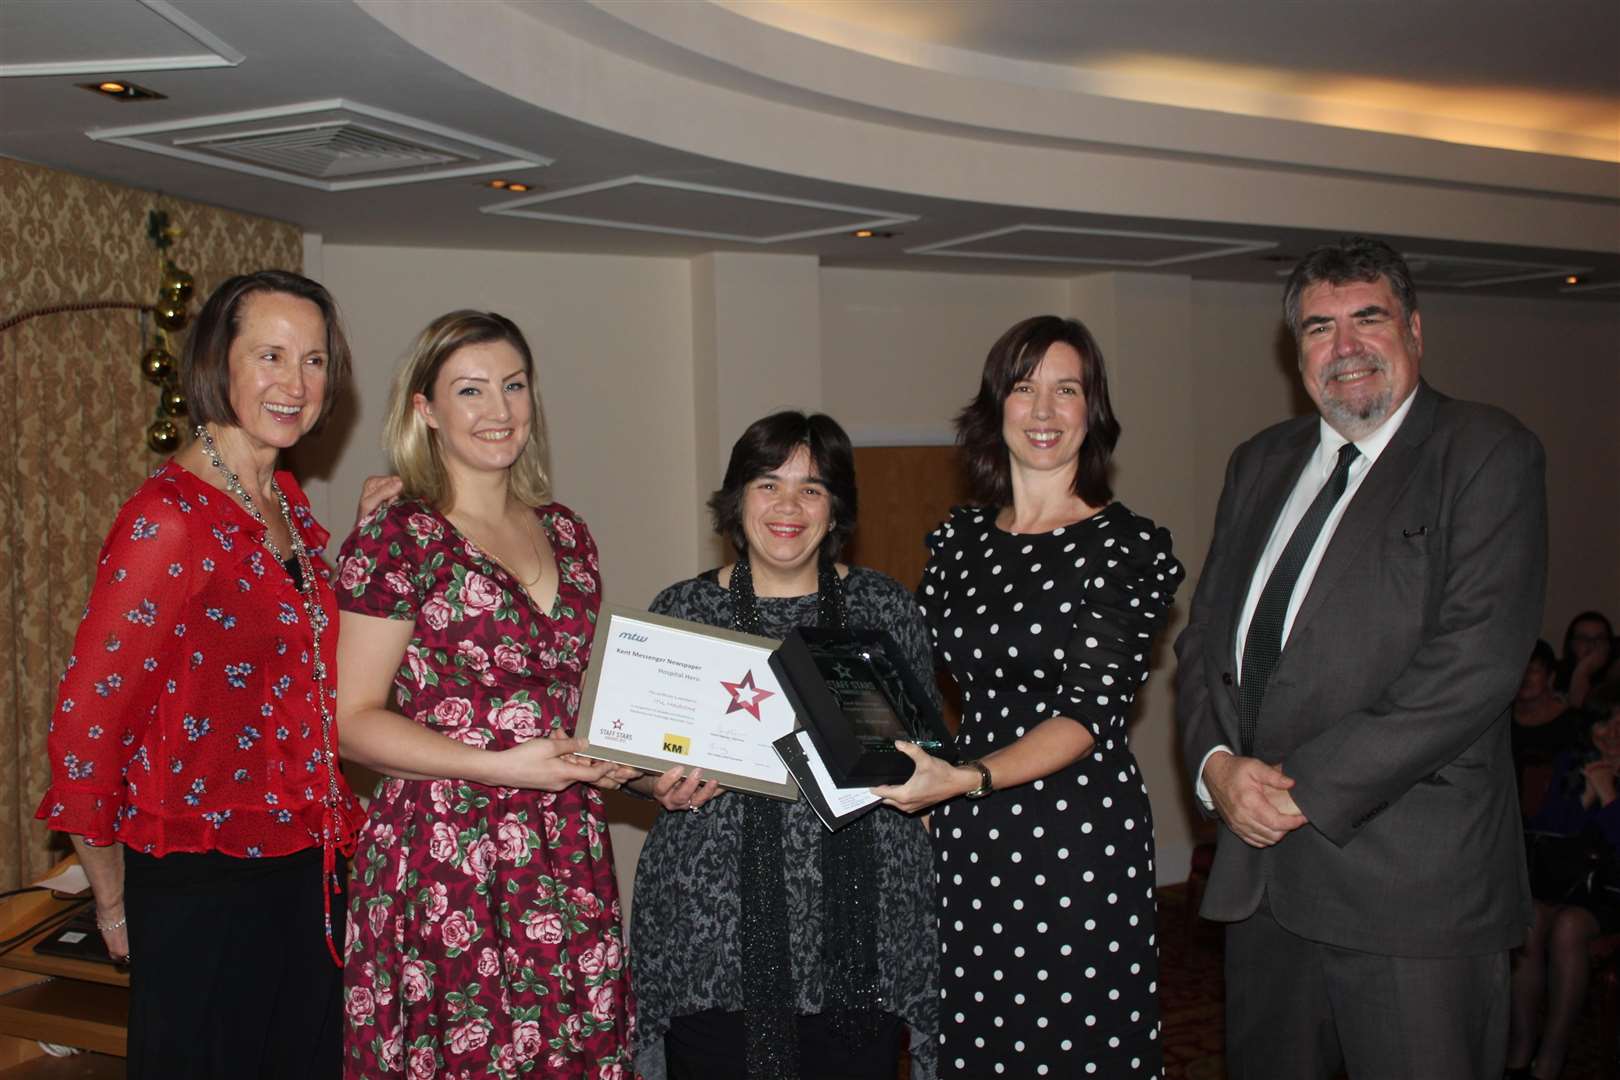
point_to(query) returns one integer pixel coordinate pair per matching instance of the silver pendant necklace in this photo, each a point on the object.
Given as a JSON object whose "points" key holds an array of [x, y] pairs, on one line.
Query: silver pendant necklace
{"points": [[317, 621]]}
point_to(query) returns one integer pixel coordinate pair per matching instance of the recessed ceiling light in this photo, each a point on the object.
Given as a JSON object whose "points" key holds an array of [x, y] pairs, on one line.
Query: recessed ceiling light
{"points": [[498, 185], [119, 90], [874, 234], [514, 186], [1573, 279]]}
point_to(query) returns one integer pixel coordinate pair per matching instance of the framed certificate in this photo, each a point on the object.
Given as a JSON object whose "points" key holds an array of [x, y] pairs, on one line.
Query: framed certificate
{"points": [[661, 692]]}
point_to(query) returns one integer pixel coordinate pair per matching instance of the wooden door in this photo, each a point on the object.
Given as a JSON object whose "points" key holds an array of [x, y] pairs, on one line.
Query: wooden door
{"points": [[905, 492]]}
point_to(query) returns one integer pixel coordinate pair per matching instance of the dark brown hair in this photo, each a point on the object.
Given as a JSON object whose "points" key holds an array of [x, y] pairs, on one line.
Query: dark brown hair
{"points": [[768, 443], [1012, 358], [1353, 258], [206, 367]]}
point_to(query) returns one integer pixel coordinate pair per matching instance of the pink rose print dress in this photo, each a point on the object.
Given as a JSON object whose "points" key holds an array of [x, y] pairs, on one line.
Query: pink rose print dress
{"points": [[484, 932]]}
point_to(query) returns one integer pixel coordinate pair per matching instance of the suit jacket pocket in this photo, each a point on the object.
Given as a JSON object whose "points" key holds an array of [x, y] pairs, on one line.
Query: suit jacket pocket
{"points": [[1408, 541]]}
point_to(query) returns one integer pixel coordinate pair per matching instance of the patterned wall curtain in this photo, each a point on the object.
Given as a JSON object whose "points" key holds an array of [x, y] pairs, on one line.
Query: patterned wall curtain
{"points": [[73, 415]]}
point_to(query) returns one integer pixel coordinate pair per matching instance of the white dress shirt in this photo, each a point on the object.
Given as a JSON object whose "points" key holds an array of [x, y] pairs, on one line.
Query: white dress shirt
{"points": [[1311, 481]]}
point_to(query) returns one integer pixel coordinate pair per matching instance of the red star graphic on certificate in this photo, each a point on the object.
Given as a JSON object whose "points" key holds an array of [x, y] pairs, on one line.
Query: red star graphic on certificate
{"points": [[746, 696]]}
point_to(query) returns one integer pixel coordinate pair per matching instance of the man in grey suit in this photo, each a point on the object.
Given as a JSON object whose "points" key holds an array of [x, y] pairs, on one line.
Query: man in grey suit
{"points": [[1374, 585]]}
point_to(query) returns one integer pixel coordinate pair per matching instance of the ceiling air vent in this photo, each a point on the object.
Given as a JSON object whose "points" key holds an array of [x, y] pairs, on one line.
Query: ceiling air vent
{"points": [[1101, 247], [333, 145], [327, 151], [680, 208]]}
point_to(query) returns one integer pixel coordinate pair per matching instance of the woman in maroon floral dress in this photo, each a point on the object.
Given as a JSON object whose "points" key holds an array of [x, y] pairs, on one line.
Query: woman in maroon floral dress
{"points": [[484, 927]]}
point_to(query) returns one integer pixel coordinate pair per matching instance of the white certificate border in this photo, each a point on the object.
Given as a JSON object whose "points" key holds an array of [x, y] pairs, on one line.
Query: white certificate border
{"points": [[616, 617]]}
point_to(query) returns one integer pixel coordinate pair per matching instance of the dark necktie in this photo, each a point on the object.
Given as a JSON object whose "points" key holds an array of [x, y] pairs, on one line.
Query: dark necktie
{"points": [[1263, 644]]}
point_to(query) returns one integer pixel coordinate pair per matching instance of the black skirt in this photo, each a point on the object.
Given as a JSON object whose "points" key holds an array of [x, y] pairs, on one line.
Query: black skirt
{"points": [[230, 976]]}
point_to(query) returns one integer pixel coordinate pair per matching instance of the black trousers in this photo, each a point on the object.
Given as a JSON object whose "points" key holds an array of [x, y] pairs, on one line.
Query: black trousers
{"points": [[230, 978], [709, 1046], [1297, 1009]]}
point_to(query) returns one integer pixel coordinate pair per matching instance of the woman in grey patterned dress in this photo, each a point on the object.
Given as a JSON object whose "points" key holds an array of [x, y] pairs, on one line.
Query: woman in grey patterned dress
{"points": [[766, 947]]}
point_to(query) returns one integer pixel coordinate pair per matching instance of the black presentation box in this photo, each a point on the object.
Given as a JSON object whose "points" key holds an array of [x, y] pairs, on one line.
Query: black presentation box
{"points": [[856, 695]]}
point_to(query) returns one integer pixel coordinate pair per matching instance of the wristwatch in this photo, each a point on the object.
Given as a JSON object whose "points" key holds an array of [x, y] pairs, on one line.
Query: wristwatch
{"points": [[986, 785]]}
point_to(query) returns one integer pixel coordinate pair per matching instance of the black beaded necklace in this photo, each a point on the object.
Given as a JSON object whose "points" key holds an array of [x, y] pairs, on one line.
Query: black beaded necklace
{"points": [[849, 954], [830, 611]]}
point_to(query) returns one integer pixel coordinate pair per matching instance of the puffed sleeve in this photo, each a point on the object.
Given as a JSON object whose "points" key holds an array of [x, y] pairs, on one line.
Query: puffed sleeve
{"points": [[117, 671], [385, 567], [1129, 580]]}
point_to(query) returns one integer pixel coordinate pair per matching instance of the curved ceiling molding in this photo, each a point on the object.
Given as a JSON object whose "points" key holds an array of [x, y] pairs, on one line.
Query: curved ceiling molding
{"points": [[669, 74], [1565, 124], [1142, 103]]}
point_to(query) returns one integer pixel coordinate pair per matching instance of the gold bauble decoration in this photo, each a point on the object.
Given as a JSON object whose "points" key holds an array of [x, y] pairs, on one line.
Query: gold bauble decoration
{"points": [[171, 315], [177, 285], [157, 364], [172, 401], [163, 436]]}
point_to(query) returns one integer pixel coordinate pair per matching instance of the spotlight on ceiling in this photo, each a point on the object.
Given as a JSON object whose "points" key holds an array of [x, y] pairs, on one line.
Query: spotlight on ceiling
{"points": [[119, 90]]}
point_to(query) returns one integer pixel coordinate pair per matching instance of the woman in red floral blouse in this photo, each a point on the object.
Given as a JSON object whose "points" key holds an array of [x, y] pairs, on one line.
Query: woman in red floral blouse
{"points": [[192, 747], [484, 930]]}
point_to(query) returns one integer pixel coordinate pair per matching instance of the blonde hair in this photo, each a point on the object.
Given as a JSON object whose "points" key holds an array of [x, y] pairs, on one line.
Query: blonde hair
{"points": [[409, 440]]}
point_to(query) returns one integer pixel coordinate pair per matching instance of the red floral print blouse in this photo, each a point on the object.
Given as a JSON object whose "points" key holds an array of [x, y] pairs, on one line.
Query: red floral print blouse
{"points": [[186, 719]]}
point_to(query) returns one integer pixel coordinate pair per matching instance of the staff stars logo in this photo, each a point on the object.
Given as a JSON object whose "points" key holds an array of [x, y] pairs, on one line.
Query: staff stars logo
{"points": [[746, 696], [614, 732]]}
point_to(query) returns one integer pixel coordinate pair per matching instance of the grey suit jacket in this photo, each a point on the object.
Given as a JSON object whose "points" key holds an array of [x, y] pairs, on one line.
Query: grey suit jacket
{"points": [[1390, 703]]}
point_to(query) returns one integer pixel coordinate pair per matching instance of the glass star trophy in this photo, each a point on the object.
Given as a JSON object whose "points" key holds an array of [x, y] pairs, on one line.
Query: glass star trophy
{"points": [[857, 695]]}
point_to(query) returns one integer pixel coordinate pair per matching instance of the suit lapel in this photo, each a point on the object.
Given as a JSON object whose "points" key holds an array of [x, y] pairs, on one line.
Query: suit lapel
{"points": [[1370, 507]]}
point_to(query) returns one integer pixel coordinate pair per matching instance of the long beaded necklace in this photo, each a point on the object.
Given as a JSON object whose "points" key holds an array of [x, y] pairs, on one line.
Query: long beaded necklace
{"points": [[316, 614]]}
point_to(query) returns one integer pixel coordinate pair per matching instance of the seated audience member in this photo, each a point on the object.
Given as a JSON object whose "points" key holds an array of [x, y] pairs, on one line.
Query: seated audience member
{"points": [[1575, 877], [1588, 656], [1544, 725]]}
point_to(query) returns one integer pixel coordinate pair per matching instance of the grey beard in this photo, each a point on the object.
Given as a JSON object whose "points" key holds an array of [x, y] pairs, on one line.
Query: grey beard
{"points": [[1359, 419], [1371, 412]]}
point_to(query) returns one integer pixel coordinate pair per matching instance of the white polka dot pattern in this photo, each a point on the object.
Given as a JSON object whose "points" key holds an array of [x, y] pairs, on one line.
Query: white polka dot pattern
{"points": [[1049, 960]]}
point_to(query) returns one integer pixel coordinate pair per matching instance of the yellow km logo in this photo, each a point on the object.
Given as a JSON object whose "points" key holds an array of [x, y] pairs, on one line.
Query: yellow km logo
{"points": [[677, 744]]}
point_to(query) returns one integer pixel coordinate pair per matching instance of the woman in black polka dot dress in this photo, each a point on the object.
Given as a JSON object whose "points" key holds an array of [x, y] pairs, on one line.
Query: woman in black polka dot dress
{"points": [[1042, 603]]}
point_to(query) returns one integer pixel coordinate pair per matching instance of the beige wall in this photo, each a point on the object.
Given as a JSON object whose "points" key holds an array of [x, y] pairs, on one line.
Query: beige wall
{"points": [[651, 367], [902, 351]]}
